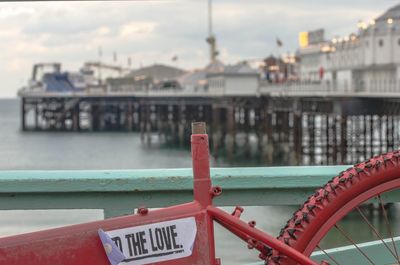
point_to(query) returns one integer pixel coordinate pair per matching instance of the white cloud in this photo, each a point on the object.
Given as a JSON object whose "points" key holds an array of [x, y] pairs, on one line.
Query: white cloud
{"points": [[137, 29], [10, 12], [102, 31]]}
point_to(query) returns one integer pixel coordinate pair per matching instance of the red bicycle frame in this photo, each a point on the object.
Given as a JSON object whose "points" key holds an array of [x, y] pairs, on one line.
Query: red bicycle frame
{"points": [[81, 245]]}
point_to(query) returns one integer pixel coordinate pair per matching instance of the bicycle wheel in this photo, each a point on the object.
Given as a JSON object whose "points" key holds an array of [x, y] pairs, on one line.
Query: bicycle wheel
{"points": [[344, 193]]}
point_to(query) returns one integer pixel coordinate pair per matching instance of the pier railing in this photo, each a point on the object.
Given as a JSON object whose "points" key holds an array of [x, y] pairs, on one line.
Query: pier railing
{"points": [[376, 88], [349, 88], [120, 192]]}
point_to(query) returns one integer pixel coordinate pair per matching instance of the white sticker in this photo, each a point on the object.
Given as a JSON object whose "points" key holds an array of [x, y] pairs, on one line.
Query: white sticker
{"points": [[156, 242]]}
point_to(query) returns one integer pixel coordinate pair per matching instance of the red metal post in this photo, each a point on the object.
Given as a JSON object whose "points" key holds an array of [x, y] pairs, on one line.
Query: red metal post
{"points": [[202, 190], [201, 165]]}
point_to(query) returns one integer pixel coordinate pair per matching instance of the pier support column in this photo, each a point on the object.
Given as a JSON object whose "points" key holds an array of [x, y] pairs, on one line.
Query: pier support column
{"points": [[222, 125], [263, 139], [231, 135], [148, 131], [365, 133], [75, 118], [334, 139], [247, 127], [129, 116], [145, 124], [297, 137], [327, 155], [23, 112], [392, 132], [258, 126], [135, 117], [371, 134], [216, 130], [170, 124], [207, 118], [387, 138], [118, 125], [143, 120], [160, 122], [61, 124], [174, 124], [181, 124], [36, 115], [95, 121], [343, 139], [311, 137], [267, 139], [380, 135], [285, 127]]}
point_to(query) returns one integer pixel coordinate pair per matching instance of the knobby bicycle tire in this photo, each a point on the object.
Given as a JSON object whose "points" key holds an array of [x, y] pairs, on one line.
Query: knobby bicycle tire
{"points": [[334, 200]]}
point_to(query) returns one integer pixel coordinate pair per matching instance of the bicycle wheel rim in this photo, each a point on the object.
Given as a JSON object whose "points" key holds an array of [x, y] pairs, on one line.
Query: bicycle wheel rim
{"points": [[362, 198], [335, 200]]}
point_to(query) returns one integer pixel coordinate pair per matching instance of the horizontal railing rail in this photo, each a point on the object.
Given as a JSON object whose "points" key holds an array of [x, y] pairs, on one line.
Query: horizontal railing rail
{"points": [[119, 192]]}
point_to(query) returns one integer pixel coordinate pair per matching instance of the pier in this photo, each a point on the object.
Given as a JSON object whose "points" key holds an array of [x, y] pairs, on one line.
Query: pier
{"points": [[305, 124]]}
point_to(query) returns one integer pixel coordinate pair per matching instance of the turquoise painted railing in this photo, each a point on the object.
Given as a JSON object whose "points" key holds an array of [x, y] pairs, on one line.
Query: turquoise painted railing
{"points": [[119, 192]]}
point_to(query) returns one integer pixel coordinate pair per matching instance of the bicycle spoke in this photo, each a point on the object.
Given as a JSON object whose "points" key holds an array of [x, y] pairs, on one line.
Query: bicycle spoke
{"points": [[352, 241], [376, 233], [388, 225], [329, 256]]}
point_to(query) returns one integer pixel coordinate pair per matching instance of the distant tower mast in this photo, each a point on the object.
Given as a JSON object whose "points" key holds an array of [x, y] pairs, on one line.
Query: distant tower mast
{"points": [[211, 38]]}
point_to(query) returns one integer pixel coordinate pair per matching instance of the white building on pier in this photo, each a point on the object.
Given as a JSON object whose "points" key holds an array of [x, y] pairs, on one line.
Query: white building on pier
{"points": [[366, 61]]}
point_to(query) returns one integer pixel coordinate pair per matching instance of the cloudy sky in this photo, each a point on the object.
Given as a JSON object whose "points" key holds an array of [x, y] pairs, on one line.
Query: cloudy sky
{"points": [[155, 31]]}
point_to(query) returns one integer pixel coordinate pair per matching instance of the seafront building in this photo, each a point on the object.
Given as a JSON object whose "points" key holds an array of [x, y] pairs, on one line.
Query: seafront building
{"points": [[368, 60]]}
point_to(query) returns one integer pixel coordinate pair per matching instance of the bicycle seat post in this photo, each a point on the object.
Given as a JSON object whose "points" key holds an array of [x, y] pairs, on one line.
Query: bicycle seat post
{"points": [[201, 164]]}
